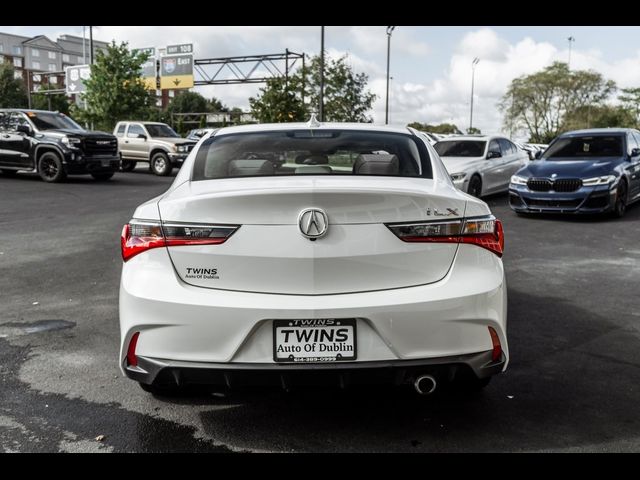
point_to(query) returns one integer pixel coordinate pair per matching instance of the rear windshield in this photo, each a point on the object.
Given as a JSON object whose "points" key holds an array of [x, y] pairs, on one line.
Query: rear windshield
{"points": [[161, 131], [309, 152], [587, 146], [460, 148]]}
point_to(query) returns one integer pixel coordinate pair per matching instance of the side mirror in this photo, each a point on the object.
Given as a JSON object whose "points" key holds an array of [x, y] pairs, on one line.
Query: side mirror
{"points": [[493, 154], [142, 136], [26, 129], [538, 155], [635, 152]]}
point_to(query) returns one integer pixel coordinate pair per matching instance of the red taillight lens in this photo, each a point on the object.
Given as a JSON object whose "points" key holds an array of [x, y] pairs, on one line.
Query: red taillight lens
{"points": [[138, 236], [485, 232], [132, 360], [496, 353]]}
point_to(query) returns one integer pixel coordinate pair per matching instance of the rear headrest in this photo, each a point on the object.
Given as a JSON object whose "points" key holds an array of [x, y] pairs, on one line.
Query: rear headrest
{"points": [[369, 164], [254, 167]]}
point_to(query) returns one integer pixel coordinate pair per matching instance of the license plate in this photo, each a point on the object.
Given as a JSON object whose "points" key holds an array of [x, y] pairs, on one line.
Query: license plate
{"points": [[314, 340]]}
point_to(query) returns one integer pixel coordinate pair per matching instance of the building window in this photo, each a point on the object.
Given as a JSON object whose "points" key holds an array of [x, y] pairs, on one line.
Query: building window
{"points": [[52, 67], [35, 52], [17, 50], [1, 58], [53, 80], [1, 47], [52, 55], [35, 65], [17, 75], [65, 58], [17, 62]]}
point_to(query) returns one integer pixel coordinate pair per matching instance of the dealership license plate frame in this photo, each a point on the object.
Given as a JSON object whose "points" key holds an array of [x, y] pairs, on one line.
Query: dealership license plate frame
{"points": [[304, 324]]}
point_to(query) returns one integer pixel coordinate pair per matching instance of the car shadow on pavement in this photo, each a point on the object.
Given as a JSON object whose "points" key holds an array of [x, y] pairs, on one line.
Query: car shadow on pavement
{"points": [[559, 392]]}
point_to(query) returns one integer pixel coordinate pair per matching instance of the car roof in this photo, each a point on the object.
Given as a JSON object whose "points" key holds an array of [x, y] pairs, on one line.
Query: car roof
{"points": [[597, 131], [24, 110], [270, 127], [142, 121], [472, 138]]}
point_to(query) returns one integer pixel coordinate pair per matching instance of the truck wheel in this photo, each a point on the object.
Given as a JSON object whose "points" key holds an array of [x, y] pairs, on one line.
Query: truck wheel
{"points": [[50, 168], [102, 177], [160, 164], [128, 165]]}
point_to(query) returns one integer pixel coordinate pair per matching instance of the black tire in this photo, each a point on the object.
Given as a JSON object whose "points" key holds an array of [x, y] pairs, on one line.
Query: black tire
{"points": [[160, 164], [475, 186], [620, 207], [128, 165], [50, 168], [9, 173], [102, 177]]}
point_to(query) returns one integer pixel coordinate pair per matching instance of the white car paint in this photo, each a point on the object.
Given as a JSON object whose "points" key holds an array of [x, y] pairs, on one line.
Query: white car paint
{"points": [[494, 173], [412, 301]]}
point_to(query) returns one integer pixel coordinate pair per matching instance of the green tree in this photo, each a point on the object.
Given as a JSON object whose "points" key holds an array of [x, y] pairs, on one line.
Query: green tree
{"points": [[599, 116], [56, 102], [189, 102], [216, 106], [13, 93], [630, 99], [115, 90], [346, 98], [278, 102], [445, 128], [473, 131], [540, 102]]}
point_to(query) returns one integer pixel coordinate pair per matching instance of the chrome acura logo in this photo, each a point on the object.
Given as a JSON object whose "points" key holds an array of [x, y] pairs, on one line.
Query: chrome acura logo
{"points": [[313, 223]]}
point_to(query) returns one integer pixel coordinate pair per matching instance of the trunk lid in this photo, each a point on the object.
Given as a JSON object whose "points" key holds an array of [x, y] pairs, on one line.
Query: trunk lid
{"points": [[269, 254]]}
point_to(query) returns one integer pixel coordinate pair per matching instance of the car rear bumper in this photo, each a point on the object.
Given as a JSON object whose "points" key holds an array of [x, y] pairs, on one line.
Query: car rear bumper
{"points": [[587, 200], [398, 372], [206, 332]]}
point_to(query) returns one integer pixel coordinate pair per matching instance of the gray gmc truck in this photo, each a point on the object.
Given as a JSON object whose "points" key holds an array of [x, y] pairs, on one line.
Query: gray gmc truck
{"points": [[151, 142]]}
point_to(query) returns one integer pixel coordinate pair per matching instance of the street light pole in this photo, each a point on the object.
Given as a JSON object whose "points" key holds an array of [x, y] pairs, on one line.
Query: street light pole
{"points": [[321, 106], [570, 40], [386, 110], [91, 45], [473, 75]]}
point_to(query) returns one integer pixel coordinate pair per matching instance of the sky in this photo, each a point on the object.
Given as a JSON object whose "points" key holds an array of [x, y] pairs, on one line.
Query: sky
{"points": [[430, 66]]}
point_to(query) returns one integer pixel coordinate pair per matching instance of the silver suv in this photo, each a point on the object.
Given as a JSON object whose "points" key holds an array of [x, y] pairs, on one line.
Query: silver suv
{"points": [[152, 142]]}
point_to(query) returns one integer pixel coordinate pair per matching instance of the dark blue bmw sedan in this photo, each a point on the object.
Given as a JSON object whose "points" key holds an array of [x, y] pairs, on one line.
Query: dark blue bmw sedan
{"points": [[585, 171]]}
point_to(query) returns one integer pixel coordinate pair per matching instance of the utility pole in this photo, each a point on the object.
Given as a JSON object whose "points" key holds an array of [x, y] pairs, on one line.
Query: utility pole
{"points": [[84, 45], [570, 40], [473, 75], [91, 45], [321, 106], [390, 30]]}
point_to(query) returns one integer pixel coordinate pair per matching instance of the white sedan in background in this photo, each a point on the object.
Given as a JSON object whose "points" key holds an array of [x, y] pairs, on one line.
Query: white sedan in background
{"points": [[297, 253], [481, 165]]}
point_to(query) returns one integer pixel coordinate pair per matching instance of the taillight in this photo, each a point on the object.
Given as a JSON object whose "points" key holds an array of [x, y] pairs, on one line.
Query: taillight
{"points": [[485, 232], [139, 235], [132, 360], [496, 352]]}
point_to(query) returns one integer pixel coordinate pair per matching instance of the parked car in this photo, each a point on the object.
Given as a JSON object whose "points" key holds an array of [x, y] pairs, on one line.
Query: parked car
{"points": [[480, 164], [152, 142], [52, 145], [198, 133], [585, 171], [313, 251]]}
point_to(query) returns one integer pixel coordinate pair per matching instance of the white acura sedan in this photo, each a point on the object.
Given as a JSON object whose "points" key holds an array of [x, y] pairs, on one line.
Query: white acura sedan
{"points": [[313, 253]]}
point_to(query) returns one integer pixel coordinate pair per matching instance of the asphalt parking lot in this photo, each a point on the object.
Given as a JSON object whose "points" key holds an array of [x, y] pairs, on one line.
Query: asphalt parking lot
{"points": [[573, 382]]}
